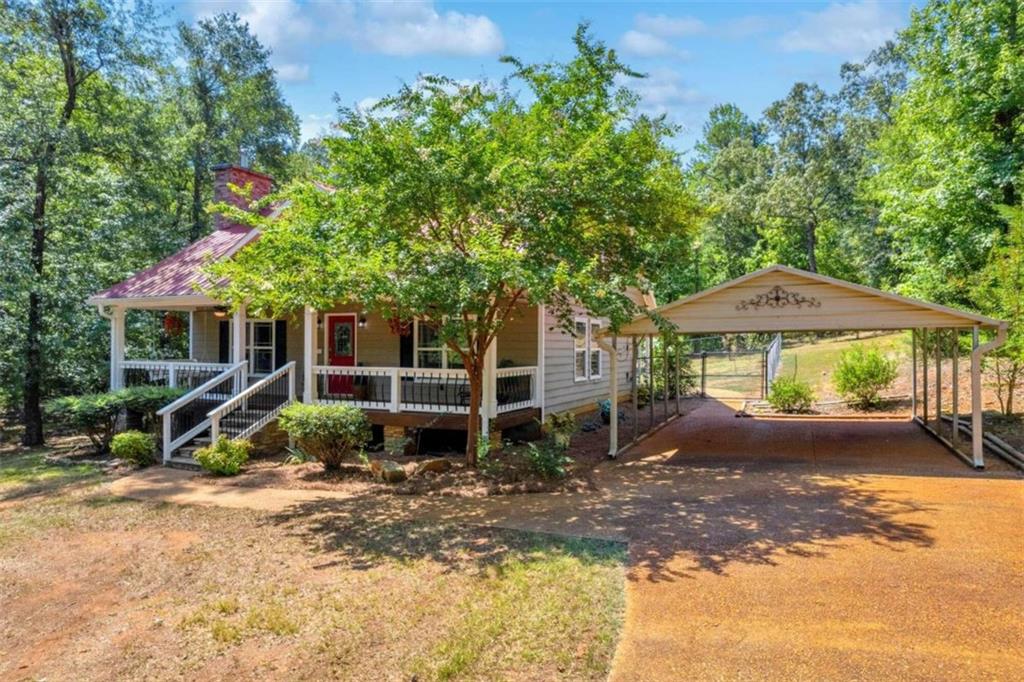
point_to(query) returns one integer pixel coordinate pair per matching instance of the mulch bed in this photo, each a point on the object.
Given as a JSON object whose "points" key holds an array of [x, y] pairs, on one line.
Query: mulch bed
{"points": [[589, 447], [508, 478], [891, 407]]}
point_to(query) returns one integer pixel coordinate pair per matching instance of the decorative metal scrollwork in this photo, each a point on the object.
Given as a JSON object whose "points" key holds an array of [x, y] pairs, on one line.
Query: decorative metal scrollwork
{"points": [[777, 297]]}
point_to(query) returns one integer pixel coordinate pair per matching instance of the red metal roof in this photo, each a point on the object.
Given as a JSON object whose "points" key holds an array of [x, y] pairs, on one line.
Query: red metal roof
{"points": [[181, 274]]}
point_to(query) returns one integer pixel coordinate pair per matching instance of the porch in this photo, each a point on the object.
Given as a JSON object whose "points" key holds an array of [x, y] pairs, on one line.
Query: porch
{"points": [[243, 371]]}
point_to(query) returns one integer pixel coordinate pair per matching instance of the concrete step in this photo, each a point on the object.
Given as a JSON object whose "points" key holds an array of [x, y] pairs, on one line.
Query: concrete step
{"points": [[183, 462]]}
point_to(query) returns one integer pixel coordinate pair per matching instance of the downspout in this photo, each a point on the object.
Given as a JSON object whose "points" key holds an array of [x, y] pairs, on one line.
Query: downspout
{"points": [[613, 387], [977, 426]]}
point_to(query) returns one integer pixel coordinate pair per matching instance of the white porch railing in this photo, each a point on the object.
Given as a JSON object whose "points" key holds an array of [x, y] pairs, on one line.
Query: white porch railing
{"points": [[172, 373], [256, 406], [186, 417], [516, 388], [405, 389]]}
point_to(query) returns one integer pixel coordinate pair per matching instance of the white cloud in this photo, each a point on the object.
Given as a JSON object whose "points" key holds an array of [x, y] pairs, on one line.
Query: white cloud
{"points": [[292, 73], [851, 29], [406, 29], [746, 26], [647, 45], [315, 125], [399, 28], [663, 91], [669, 27]]}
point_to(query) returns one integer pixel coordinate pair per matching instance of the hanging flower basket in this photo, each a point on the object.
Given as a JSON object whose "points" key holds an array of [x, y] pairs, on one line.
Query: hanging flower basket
{"points": [[174, 326], [399, 326]]}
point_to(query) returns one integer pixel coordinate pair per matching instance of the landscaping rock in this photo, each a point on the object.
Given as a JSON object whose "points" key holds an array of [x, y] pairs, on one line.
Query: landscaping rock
{"points": [[388, 471], [432, 466]]}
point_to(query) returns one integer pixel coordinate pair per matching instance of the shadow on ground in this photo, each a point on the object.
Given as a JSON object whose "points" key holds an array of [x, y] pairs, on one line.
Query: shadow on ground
{"points": [[678, 522]]}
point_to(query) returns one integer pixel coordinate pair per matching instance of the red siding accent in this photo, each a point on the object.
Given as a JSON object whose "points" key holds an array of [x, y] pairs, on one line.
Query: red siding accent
{"points": [[262, 185]]}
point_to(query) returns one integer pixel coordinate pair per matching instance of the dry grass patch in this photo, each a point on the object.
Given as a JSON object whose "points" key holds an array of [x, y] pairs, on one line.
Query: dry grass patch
{"points": [[102, 588]]}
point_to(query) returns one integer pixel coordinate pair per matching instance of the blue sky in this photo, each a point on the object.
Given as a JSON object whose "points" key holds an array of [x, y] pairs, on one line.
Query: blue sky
{"points": [[697, 54]]}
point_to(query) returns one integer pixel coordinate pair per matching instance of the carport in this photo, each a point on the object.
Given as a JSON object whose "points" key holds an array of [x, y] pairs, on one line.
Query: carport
{"points": [[784, 299]]}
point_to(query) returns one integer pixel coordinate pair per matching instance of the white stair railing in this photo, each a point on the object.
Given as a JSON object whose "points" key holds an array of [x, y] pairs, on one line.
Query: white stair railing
{"points": [[256, 406], [185, 418]]}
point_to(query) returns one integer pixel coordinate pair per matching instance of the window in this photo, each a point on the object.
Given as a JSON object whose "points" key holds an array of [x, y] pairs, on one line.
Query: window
{"points": [[581, 343], [430, 351], [586, 353], [595, 350], [259, 347]]}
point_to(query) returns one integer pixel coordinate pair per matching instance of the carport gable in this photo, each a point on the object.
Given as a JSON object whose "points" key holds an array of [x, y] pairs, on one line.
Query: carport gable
{"points": [[780, 299]]}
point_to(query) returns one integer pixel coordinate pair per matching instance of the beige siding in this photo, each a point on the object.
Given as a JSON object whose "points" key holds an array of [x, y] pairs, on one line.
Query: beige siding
{"points": [[205, 336], [376, 346], [561, 390], [517, 340]]}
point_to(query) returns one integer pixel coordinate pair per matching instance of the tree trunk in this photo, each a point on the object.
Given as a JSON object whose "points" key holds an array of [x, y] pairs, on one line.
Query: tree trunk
{"points": [[476, 385], [197, 217], [63, 36], [812, 245], [32, 398]]}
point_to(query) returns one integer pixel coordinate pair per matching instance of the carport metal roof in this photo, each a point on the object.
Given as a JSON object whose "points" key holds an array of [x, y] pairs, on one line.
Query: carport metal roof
{"points": [[784, 299]]}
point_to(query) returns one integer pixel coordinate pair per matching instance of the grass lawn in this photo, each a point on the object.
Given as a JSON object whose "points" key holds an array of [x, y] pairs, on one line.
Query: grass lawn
{"points": [[814, 362], [95, 587]]}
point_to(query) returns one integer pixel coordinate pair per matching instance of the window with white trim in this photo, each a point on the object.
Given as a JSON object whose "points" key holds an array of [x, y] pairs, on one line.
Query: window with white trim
{"points": [[259, 346], [581, 343], [595, 350], [587, 360], [430, 352]]}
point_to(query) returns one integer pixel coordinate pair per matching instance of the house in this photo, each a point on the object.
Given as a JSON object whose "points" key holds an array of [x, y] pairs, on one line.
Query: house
{"points": [[241, 370]]}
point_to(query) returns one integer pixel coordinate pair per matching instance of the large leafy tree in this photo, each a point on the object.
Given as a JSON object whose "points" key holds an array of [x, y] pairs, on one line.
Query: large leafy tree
{"points": [[731, 169], [454, 203], [1000, 293], [69, 71], [955, 150], [232, 106], [806, 202]]}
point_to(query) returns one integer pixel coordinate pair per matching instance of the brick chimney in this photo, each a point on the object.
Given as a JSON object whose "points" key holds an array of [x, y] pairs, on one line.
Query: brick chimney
{"points": [[223, 174]]}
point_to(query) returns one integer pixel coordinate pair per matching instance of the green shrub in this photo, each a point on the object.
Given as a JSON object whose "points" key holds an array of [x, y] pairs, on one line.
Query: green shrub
{"points": [[94, 414], [134, 446], [330, 433], [789, 394], [560, 427], [146, 400], [547, 459], [225, 457], [862, 374]]}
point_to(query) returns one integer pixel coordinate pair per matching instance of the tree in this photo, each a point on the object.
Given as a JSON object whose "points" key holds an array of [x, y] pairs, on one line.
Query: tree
{"points": [[232, 106], [455, 202], [953, 154], [811, 183], [1000, 293], [63, 63], [731, 169]]}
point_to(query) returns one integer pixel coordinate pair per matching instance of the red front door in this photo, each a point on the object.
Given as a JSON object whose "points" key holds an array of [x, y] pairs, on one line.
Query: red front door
{"points": [[341, 350]]}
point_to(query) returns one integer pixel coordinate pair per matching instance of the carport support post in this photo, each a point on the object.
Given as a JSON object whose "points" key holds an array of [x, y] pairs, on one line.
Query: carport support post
{"points": [[938, 379], [976, 423], [924, 375], [650, 376], [678, 357], [703, 374], [913, 373], [956, 385], [635, 389], [664, 368]]}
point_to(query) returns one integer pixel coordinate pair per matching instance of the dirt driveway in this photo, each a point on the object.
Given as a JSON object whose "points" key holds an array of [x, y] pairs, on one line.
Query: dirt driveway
{"points": [[824, 550], [780, 550]]}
